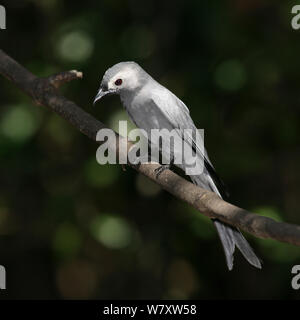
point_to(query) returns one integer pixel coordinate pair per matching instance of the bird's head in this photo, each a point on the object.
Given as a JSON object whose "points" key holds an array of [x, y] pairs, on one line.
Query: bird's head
{"points": [[122, 78]]}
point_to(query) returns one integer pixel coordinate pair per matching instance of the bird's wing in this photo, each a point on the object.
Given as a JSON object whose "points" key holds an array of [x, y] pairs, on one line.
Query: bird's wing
{"points": [[176, 114], [173, 111]]}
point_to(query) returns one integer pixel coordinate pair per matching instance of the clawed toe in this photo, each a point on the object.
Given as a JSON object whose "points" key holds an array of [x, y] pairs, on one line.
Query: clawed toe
{"points": [[158, 171]]}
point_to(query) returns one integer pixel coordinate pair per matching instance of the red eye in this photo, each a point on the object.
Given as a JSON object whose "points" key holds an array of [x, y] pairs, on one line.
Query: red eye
{"points": [[118, 82]]}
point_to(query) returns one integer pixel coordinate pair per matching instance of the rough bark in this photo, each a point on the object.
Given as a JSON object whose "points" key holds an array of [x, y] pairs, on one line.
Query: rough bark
{"points": [[44, 91]]}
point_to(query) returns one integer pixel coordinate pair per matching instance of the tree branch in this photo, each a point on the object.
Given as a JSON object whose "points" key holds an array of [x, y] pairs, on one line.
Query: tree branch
{"points": [[44, 92]]}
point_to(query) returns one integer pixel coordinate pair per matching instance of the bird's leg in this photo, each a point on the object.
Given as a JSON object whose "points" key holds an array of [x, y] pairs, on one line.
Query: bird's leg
{"points": [[158, 171]]}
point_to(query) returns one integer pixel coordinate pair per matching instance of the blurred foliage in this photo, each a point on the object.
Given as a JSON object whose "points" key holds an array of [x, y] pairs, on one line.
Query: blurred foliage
{"points": [[70, 228]]}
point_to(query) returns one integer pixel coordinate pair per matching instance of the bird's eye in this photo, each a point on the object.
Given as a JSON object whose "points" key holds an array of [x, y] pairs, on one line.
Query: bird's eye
{"points": [[118, 82]]}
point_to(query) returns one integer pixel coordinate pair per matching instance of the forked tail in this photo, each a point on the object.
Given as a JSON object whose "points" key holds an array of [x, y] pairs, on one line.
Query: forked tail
{"points": [[229, 235]]}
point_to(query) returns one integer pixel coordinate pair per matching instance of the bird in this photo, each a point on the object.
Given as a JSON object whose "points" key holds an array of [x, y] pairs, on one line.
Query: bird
{"points": [[150, 105]]}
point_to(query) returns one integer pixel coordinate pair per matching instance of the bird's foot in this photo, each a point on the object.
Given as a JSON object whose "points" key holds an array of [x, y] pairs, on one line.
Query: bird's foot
{"points": [[158, 171]]}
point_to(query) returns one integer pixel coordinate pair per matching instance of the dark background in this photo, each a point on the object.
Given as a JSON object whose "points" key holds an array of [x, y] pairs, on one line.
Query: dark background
{"points": [[70, 228]]}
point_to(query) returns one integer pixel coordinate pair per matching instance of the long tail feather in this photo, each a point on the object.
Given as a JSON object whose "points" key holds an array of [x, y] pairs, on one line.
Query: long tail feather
{"points": [[229, 235]]}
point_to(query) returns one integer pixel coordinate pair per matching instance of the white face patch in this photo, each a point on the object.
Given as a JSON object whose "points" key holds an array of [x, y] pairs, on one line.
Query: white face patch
{"points": [[128, 77]]}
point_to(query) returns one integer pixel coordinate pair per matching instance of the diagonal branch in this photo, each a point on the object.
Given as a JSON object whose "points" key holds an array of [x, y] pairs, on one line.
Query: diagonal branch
{"points": [[44, 92]]}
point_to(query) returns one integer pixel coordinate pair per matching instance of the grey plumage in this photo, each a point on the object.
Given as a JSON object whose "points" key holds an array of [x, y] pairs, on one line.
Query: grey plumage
{"points": [[152, 106]]}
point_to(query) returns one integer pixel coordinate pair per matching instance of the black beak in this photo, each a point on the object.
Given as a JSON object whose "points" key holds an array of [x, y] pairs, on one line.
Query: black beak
{"points": [[101, 93]]}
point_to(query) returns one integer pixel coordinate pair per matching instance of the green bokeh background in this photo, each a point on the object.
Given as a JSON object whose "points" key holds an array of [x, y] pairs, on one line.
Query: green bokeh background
{"points": [[70, 228]]}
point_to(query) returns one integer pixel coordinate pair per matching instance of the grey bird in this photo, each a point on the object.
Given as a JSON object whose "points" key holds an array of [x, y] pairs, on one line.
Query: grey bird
{"points": [[152, 106]]}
